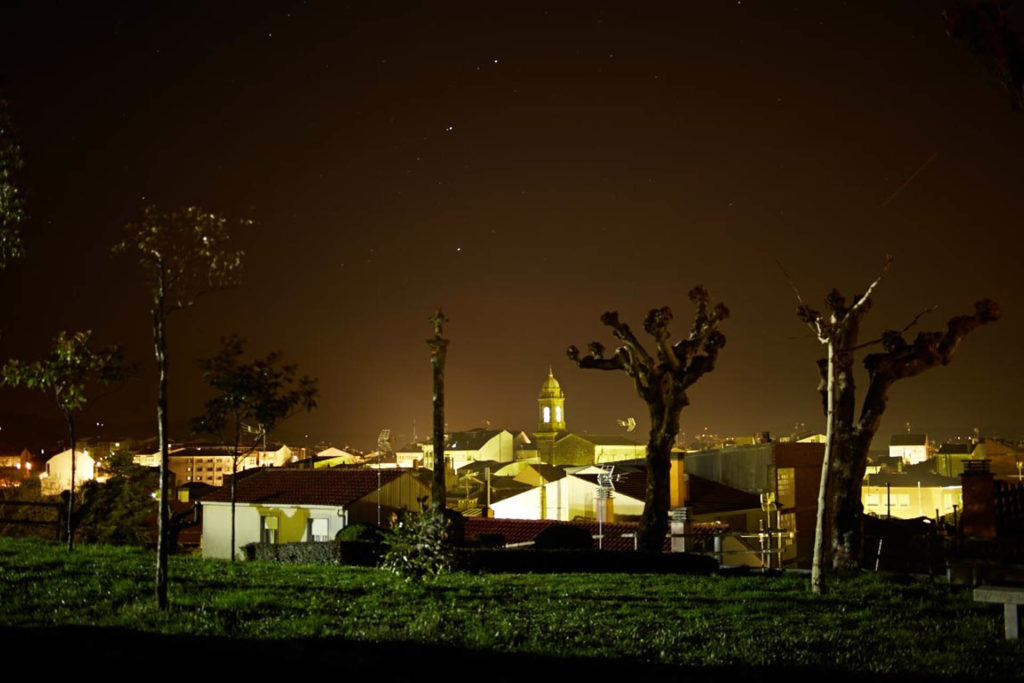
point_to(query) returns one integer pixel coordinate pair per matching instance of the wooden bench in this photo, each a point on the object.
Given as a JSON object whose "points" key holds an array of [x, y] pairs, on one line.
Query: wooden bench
{"points": [[1011, 597]]}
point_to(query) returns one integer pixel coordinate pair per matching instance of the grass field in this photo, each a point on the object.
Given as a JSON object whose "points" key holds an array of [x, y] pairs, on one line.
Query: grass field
{"points": [[98, 600]]}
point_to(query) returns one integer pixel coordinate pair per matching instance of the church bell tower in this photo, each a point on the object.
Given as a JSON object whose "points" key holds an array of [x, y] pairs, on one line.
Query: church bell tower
{"points": [[551, 405]]}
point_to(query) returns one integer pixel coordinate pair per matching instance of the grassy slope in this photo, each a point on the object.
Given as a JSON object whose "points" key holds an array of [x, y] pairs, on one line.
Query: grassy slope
{"points": [[695, 623]]}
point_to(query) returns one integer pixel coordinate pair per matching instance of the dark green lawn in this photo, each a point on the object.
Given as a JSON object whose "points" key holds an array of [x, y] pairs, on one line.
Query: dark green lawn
{"points": [[747, 627]]}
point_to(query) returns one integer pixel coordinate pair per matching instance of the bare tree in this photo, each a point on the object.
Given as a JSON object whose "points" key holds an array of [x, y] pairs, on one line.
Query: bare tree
{"points": [[661, 380], [71, 368], [184, 254], [849, 435]]}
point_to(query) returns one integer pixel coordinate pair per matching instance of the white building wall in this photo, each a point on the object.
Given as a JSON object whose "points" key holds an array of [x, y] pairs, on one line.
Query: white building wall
{"points": [[564, 500], [216, 541], [56, 477]]}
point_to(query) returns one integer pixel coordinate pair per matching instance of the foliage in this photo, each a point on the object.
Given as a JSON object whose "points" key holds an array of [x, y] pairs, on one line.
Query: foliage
{"points": [[418, 545], [119, 510], [66, 373], [184, 253], [668, 626], [12, 202], [68, 369], [360, 532], [259, 392]]}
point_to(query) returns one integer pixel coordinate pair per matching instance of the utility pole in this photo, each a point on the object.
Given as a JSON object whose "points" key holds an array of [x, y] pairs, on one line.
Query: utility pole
{"points": [[438, 352]]}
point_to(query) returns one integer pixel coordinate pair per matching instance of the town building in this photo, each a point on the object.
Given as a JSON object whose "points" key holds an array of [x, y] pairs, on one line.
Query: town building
{"points": [[285, 505], [908, 495], [210, 463], [911, 449]]}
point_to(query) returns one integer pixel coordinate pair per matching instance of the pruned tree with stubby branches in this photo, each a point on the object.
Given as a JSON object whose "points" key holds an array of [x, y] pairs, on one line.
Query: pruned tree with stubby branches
{"points": [[184, 254], [69, 371], [661, 380], [849, 434], [252, 398]]}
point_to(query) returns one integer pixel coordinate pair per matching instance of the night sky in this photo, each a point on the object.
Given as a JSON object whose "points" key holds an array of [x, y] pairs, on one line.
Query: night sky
{"points": [[527, 167]]}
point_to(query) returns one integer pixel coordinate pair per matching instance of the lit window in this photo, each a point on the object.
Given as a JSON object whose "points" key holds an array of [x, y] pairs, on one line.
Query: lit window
{"points": [[547, 414], [558, 413]]}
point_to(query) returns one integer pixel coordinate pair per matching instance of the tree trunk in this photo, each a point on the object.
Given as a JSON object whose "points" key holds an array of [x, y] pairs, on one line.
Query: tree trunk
{"points": [[818, 561], [234, 475], [438, 489], [160, 348], [848, 469], [71, 494], [654, 521]]}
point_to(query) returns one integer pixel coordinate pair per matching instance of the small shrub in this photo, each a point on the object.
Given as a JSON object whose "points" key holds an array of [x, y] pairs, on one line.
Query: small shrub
{"points": [[418, 546], [361, 532]]}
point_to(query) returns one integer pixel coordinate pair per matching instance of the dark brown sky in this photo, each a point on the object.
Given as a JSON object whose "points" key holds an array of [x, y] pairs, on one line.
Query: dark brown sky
{"points": [[528, 167]]}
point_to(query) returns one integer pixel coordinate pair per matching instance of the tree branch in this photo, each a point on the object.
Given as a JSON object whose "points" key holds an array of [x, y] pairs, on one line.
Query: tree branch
{"points": [[867, 295], [888, 333]]}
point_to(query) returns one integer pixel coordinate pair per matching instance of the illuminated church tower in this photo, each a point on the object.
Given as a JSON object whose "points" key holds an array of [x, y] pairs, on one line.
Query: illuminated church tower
{"points": [[551, 417], [551, 403]]}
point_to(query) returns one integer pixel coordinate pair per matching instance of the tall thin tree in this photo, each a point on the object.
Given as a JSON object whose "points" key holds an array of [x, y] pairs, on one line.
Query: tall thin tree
{"points": [[438, 354], [70, 369], [661, 380], [184, 254], [252, 398]]}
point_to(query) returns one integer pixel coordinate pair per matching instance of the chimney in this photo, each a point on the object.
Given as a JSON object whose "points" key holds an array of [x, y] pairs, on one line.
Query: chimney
{"points": [[979, 494], [678, 489]]}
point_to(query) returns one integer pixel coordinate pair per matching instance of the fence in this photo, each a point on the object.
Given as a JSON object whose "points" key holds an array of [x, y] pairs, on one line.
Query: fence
{"points": [[15, 511]]}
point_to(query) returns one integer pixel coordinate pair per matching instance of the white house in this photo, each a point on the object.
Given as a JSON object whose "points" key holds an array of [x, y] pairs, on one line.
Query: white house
{"points": [[57, 476], [911, 448], [565, 499], [461, 448], [283, 505]]}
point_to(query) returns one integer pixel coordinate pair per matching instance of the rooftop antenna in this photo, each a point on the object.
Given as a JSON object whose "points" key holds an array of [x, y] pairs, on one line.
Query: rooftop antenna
{"points": [[605, 487]]}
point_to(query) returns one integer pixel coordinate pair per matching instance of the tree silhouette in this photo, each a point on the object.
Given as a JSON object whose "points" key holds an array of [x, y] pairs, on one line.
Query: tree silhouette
{"points": [[71, 368], [849, 435], [661, 381], [985, 29], [12, 202], [252, 398], [438, 354], [184, 254]]}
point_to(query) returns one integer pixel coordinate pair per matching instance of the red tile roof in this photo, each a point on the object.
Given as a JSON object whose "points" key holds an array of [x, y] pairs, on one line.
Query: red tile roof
{"points": [[524, 530], [310, 487]]}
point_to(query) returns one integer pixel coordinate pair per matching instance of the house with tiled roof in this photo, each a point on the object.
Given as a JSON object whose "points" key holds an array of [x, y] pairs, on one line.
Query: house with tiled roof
{"points": [[950, 458], [460, 449], [282, 505], [908, 495], [210, 463], [575, 497], [910, 448]]}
